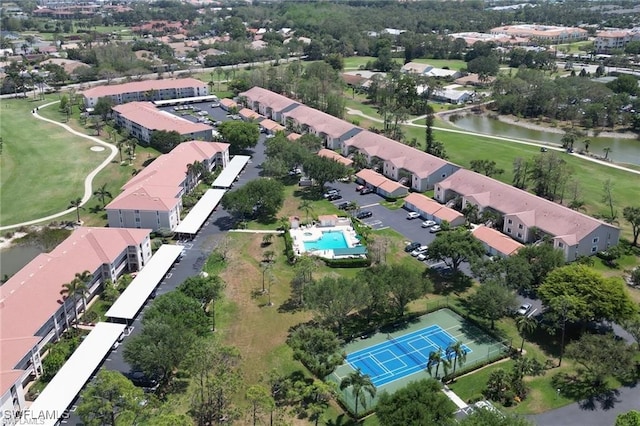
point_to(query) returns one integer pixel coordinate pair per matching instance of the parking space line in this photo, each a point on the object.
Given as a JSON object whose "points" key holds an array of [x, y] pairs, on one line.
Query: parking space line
{"points": [[369, 205]]}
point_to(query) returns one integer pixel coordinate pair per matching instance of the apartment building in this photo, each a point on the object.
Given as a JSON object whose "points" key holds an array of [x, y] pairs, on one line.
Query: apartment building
{"points": [[332, 130], [147, 90], [617, 39], [153, 198], [267, 103], [32, 310], [543, 33]]}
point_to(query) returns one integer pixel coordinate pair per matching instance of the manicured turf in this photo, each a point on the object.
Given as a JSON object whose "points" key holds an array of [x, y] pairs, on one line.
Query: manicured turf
{"points": [[43, 166]]}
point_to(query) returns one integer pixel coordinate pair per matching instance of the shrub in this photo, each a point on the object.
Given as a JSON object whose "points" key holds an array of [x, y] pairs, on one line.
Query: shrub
{"points": [[348, 263], [288, 247]]}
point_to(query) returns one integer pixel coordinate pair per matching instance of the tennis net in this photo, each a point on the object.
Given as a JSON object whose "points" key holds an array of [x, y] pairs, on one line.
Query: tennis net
{"points": [[407, 352]]}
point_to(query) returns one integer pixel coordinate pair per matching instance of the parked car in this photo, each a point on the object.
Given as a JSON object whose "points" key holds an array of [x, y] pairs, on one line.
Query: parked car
{"points": [[364, 214], [343, 205], [295, 171], [524, 309], [419, 250], [331, 192], [359, 188], [428, 223], [138, 378], [422, 256], [215, 105], [366, 190], [334, 197], [412, 246], [435, 228], [413, 215]]}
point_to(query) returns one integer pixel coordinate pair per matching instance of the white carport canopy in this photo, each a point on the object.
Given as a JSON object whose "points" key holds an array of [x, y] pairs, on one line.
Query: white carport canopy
{"points": [[193, 99], [63, 389], [132, 299], [231, 172], [200, 212]]}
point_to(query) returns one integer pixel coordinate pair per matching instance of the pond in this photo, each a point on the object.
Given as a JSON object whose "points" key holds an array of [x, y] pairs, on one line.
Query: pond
{"points": [[622, 150], [14, 258]]}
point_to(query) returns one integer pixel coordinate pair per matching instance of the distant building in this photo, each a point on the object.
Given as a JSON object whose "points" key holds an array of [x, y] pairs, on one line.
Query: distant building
{"points": [[427, 70], [543, 33], [609, 40], [153, 198], [148, 90], [141, 119], [32, 311]]}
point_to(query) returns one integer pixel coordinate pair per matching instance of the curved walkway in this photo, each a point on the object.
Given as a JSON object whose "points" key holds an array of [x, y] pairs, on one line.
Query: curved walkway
{"points": [[554, 147], [88, 181]]}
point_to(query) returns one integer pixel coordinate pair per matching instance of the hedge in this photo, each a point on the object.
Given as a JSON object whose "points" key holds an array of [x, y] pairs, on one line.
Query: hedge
{"points": [[358, 262], [288, 247]]}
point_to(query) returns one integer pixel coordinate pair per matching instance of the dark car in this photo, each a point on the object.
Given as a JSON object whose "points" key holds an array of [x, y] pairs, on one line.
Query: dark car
{"points": [[364, 214], [343, 206], [366, 190], [334, 197], [138, 378], [412, 246]]}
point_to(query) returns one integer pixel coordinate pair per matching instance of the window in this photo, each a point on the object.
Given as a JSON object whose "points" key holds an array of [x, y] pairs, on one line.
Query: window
{"points": [[508, 230], [594, 249], [509, 221], [520, 226], [137, 219], [444, 175], [519, 235], [137, 211], [595, 240]]}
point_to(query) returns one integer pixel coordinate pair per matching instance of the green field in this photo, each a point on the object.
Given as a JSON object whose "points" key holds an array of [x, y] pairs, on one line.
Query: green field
{"points": [[355, 62], [42, 166]]}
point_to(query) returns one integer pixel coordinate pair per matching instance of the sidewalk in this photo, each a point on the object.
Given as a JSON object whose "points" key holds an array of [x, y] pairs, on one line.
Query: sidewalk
{"points": [[455, 398]]}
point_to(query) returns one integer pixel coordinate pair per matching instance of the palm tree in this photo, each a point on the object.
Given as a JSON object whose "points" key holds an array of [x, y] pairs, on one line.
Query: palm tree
{"points": [[607, 151], [84, 278], [436, 358], [102, 193], [120, 144], [526, 325], [459, 354], [72, 290], [307, 207], [77, 204], [361, 385]]}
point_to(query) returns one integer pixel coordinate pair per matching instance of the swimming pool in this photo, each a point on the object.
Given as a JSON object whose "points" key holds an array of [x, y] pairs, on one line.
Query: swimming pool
{"points": [[330, 240]]}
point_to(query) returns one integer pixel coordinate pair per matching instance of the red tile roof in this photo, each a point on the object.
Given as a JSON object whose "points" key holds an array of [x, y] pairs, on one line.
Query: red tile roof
{"points": [[433, 207], [148, 116], [229, 103], [320, 121], [30, 297], [376, 179], [327, 153], [249, 114], [272, 126], [497, 240], [142, 86], [266, 97]]}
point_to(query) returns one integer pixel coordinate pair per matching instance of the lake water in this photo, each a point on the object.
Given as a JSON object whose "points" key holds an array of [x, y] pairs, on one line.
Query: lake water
{"points": [[622, 150], [14, 258]]}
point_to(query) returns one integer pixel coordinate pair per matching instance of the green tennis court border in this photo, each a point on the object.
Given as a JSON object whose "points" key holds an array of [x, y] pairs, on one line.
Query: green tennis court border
{"points": [[482, 345]]}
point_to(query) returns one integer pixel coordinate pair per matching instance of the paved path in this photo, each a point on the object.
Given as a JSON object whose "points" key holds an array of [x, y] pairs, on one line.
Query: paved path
{"points": [[555, 147], [88, 181]]}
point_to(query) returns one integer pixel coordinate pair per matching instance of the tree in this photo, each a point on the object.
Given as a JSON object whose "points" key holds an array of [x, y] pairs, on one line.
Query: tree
{"points": [[84, 278], [206, 290], [593, 297], [361, 386], [417, 404], [607, 197], [632, 215], [454, 247], [241, 135], [630, 418], [214, 369], [318, 348], [260, 197], [306, 206], [607, 150], [74, 289], [592, 352], [492, 301], [103, 107], [458, 353], [323, 170], [334, 299], [526, 325], [102, 193], [164, 141], [404, 285], [542, 259], [498, 385], [488, 167], [260, 399], [107, 397], [436, 358], [76, 204]]}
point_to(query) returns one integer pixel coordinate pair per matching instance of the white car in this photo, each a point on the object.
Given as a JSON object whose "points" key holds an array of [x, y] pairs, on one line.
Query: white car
{"points": [[524, 309], [435, 228], [413, 215], [422, 256], [428, 223], [419, 251]]}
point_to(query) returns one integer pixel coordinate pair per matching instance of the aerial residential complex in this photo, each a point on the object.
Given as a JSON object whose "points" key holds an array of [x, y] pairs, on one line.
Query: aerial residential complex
{"points": [[543, 33], [617, 39], [147, 90], [522, 216], [141, 119], [32, 310], [153, 198]]}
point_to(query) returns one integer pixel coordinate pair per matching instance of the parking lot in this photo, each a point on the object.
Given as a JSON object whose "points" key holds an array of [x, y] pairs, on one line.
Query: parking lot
{"points": [[197, 111]]}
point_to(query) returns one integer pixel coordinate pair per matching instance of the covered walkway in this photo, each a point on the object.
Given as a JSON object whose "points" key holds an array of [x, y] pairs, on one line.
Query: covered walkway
{"points": [[230, 173], [131, 300], [200, 212], [50, 407]]}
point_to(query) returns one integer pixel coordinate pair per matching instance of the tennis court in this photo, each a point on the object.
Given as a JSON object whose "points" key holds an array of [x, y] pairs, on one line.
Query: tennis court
{"points": [[401, 356], [396, 356]]}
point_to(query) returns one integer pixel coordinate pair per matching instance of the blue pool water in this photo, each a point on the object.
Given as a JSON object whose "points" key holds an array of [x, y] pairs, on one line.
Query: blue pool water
{"points": [[330, 240]]}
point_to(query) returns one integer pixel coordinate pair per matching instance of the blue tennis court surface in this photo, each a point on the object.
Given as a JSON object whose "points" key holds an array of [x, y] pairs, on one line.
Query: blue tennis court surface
{"points": [[401, 356]]}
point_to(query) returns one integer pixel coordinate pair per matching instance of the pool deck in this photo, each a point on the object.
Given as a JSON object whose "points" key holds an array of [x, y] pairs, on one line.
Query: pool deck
{"points": [[311, 233]]}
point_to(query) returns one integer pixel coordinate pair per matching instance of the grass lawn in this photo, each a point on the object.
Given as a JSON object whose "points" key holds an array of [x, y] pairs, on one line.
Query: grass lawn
{"points": [[452, 64], [43, 166]]}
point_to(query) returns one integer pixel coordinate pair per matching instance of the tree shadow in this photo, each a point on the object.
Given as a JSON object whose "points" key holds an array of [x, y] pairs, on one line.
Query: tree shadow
{"points": [[456, 283], [591, 394], [291, 305], [341, 420], [309, 193]]}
